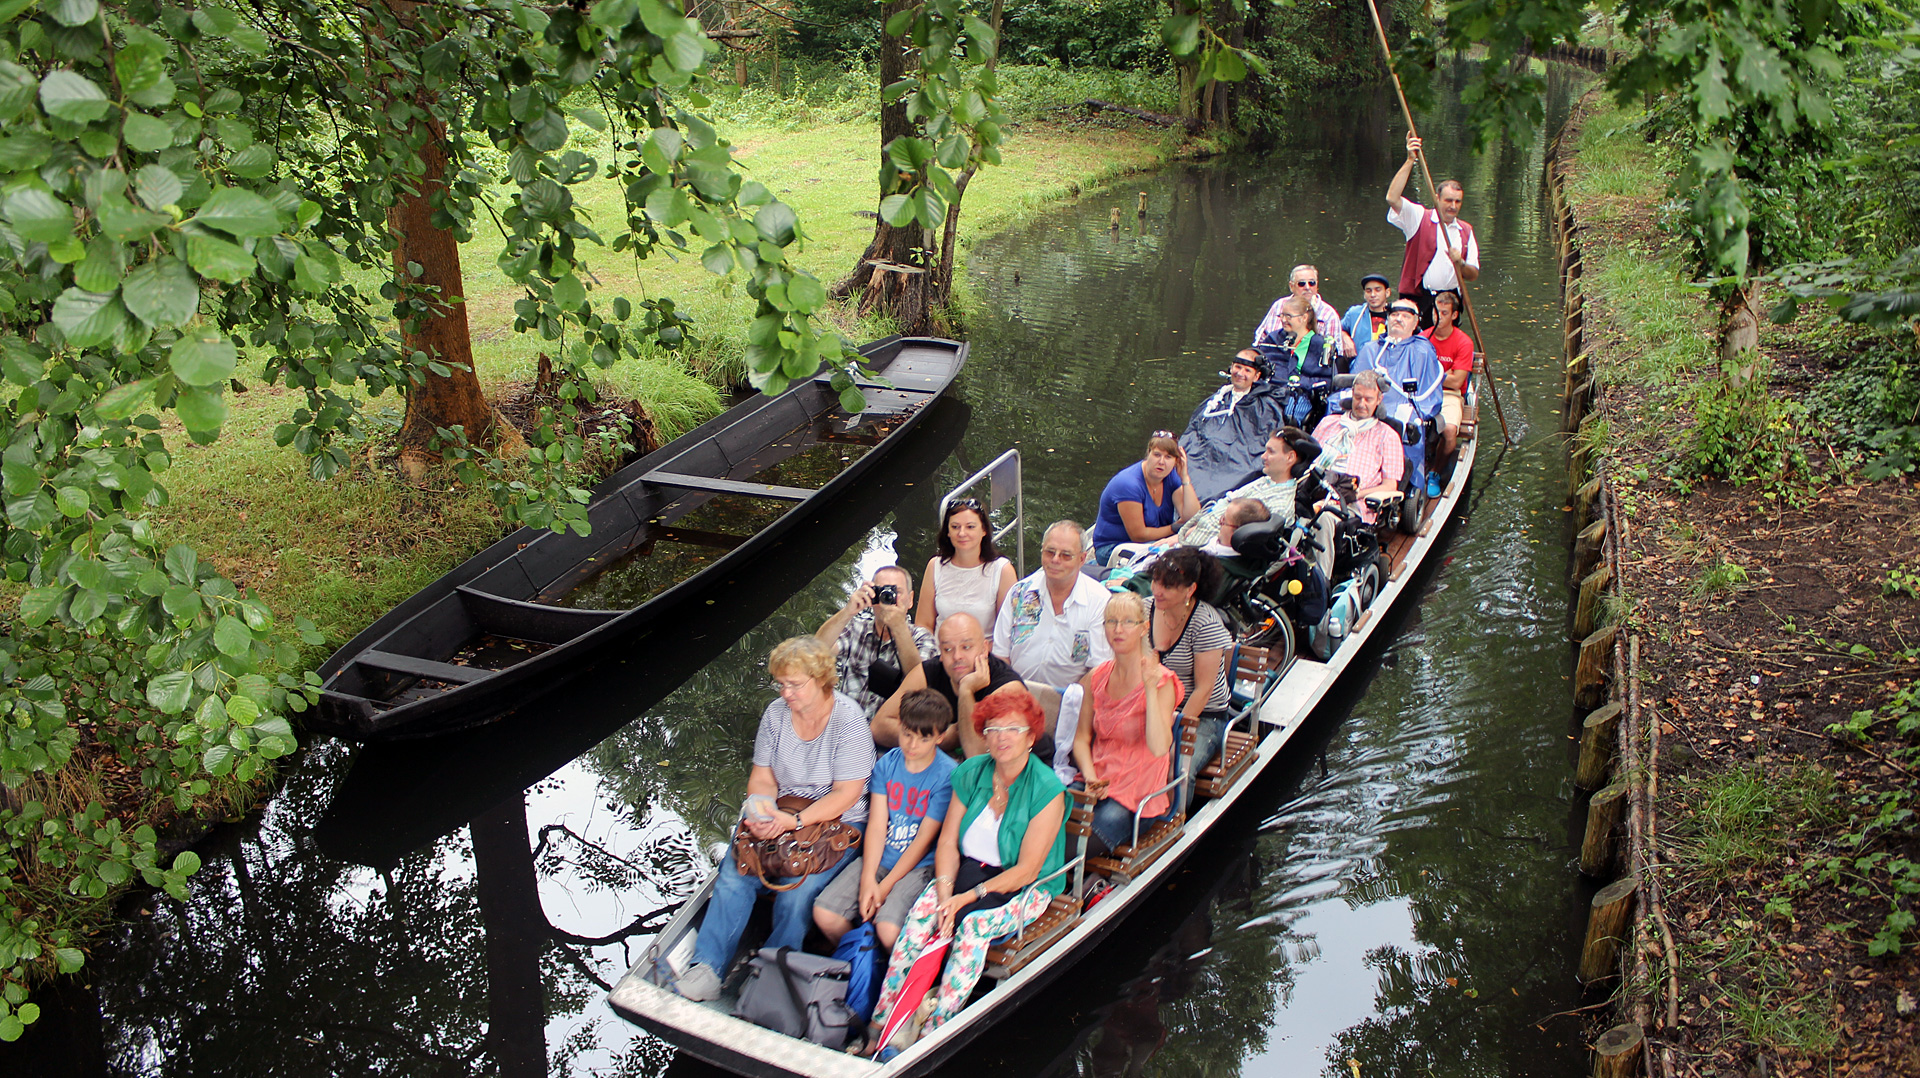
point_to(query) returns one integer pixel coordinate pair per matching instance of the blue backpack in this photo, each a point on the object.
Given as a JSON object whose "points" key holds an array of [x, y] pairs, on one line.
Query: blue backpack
{"points": [[861, 952]]}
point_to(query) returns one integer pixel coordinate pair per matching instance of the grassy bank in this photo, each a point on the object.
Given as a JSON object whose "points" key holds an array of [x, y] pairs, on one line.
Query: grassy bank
{"points": [[344, 550], [1764, 570]]}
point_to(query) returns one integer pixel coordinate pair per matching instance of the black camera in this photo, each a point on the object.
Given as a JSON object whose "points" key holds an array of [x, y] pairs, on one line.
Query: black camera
{"points": [[888, 594]]}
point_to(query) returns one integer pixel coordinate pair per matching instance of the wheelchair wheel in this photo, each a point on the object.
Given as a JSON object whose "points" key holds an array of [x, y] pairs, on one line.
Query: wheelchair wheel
{"points": [[1412, 508]]}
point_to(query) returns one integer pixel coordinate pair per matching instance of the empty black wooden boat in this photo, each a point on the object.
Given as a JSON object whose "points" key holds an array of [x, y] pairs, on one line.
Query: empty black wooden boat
{"points": [[538, 607]]}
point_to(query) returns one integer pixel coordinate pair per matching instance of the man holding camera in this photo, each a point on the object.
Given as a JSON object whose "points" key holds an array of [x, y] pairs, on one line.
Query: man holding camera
{"points": [[876, 644]]}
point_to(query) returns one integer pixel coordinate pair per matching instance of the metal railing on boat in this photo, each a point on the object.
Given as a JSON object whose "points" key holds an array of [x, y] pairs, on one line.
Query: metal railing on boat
{"points": [[1003, 476]]}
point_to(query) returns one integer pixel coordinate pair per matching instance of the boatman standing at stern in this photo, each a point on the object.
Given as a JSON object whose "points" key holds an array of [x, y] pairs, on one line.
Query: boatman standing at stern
{"points": [[1441, 249]]}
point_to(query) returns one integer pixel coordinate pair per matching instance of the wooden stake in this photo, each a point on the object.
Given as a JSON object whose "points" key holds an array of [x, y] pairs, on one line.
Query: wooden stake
{"points": [[1114, 221], [1597, 736], [1592, 588], [1617, 1053], [1603, 815], [1584, 498], [1595, 664], [1587, 547], [1605, 927], [1142, 211]]}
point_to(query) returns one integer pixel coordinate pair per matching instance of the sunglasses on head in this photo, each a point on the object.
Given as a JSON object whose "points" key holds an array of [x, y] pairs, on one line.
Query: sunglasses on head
{"points": [[1161, 434], [965, 503]]}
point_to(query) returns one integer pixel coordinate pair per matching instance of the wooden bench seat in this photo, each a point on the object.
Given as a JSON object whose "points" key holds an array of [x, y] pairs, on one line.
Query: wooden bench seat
{"points": [[1006, 959], [1218, 777], [1125, 863]]}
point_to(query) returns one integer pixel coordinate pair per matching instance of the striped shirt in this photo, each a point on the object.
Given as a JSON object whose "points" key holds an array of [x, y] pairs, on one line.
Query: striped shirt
{"points": [[842, 753], [1204, 632]]}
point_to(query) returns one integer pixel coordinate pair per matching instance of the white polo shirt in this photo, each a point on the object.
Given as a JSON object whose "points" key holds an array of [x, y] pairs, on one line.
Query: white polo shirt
{"points": [[1048, 648], [1439, 275]]}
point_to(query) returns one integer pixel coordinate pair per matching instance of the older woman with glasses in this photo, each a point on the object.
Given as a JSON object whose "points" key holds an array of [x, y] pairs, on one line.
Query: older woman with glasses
{"points": [[1146, 501], [1125, 752], [813, 744], [1010, 809]]}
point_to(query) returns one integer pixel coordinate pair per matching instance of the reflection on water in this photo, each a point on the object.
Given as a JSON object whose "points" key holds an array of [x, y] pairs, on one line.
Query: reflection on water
{"points": [[1395, 890]]}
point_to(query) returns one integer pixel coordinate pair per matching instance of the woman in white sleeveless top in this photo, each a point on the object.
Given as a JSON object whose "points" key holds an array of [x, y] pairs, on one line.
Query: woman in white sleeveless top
{"points": [[968, 576]]}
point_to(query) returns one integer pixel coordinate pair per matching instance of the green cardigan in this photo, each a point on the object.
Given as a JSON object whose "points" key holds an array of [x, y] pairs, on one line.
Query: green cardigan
{"points": [[1036, 787]]}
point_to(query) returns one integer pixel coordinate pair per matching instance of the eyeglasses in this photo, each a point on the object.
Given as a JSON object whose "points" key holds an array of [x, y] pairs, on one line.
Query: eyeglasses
{"points": [[1315, 283], [1003, 731], [783, 687], [1111, 622]]}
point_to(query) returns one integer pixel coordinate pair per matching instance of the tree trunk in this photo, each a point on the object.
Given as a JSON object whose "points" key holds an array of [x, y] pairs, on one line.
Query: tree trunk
{"points": [[1739, 335], [516, 935], [903, 295], [453, 399]]}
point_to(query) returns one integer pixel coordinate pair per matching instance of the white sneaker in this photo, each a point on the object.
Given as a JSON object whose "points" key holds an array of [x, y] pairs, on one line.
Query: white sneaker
{"points": [[699, 983]]}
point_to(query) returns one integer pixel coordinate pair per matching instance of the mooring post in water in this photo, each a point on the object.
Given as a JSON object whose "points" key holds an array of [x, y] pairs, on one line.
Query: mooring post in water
{"points": [[1595, 664], [1587, 609], [1115, 222], [1142, 211], [1604, 813], [1473, 320], [1584, 498], [1597, 736], [1606, 925], [1617, 1053]]}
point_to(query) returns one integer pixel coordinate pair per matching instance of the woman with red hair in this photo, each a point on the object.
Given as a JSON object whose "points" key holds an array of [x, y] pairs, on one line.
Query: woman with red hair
{"points": [[1011, 810]]}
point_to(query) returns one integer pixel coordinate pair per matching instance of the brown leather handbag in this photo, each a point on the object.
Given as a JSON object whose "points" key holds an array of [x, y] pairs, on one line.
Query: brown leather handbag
{"points": [[808, 849]]}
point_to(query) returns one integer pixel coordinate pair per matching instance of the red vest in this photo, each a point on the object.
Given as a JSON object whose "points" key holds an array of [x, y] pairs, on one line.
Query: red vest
{"points": [[1423, 246]]}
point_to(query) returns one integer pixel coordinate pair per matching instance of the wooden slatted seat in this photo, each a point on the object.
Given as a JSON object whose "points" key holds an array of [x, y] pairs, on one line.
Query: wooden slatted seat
{"points": [[1126, 863], [1005, 959], [1238, 755]]}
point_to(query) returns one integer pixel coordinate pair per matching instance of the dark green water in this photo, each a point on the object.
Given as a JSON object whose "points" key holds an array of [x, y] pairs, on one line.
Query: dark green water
{"points": [[1397, 890]]}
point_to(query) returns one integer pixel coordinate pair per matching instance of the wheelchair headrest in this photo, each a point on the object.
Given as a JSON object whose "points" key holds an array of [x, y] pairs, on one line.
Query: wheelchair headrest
{"points": [[1343, 381], [1263, 539], [1308, 450]]}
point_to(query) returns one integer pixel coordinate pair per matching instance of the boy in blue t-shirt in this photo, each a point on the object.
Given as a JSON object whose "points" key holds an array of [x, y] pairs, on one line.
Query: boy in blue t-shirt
{"points": [[910, 788]]}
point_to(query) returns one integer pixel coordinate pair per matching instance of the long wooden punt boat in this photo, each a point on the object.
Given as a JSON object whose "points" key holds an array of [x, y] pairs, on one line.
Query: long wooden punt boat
{"points": [[539, 607], [1063, 934]]}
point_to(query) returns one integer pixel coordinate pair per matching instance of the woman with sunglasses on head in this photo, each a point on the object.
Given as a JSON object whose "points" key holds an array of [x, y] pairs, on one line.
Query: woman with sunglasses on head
{"points": [[1189, 636], [1010, 809], [1145, 501], [968, 576], [1123, 753]]}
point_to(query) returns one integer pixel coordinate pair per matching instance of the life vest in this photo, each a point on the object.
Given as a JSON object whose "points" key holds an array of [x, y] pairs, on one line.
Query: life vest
{"points": [[1423, 246]]}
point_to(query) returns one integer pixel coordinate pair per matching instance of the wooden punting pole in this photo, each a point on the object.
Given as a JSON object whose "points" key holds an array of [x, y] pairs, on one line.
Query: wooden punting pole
{"points": [[1473, 320]]}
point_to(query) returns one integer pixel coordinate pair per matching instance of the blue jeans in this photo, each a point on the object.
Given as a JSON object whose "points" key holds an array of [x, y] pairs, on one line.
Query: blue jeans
{"points": [[1208, 736], [1113, 822], [732, 903]]}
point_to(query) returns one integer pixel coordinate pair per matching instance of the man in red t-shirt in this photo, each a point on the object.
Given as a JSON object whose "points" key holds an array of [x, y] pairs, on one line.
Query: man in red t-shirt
{"points": [[1455, 350]]}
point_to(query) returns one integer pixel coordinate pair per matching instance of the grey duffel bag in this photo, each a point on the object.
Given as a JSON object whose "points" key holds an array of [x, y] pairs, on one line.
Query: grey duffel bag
{"points": [[799, 994]]}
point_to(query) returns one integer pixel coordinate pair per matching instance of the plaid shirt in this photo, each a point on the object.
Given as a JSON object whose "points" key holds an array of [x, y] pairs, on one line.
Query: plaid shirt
{"points": [[1377, 459], [860, 646]]}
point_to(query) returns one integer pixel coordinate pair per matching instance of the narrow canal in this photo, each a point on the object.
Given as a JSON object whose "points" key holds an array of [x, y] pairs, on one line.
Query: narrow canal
{"points": [[1397, 891]]}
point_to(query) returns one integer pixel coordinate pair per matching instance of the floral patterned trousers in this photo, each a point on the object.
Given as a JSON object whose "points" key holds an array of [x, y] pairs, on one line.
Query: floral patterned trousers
{"points": [[965, 959]]}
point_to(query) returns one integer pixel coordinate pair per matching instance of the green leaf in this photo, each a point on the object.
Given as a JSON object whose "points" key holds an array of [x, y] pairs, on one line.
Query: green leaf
{"points": [[162, 293], [613, 14], [239, 213], [72, 501], [157, 186], [897, 24], [242, 710], [88, 318], [123, 400], [1181, 34], [1229, 67], [546, 132], [26, 150], [182, 563], [180, 600], [686, 50], [201, 411], [218, 760], [73, 12], [569, 293], [311, 274], [39, 605], [776, 222], [204, 357], [17, 88], [123, 222], [232, 636], [718, 260], [219, 259], [33, 512], [73, 97], [11, 1028], [38, 217], [249, 38], [253, 162], [660, 20], [896, 210], [806, 293], [186, 862], [215, 22], [171, 692], [145, 133], [69, 959]]}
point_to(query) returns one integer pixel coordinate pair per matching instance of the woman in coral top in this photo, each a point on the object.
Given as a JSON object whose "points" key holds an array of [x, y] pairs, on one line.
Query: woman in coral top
{"points": [[1125, 753]]}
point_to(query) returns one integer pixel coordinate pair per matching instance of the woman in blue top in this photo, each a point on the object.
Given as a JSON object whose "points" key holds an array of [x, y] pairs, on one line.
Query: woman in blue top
{"points": [[995, 868], [1145, 501]]}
